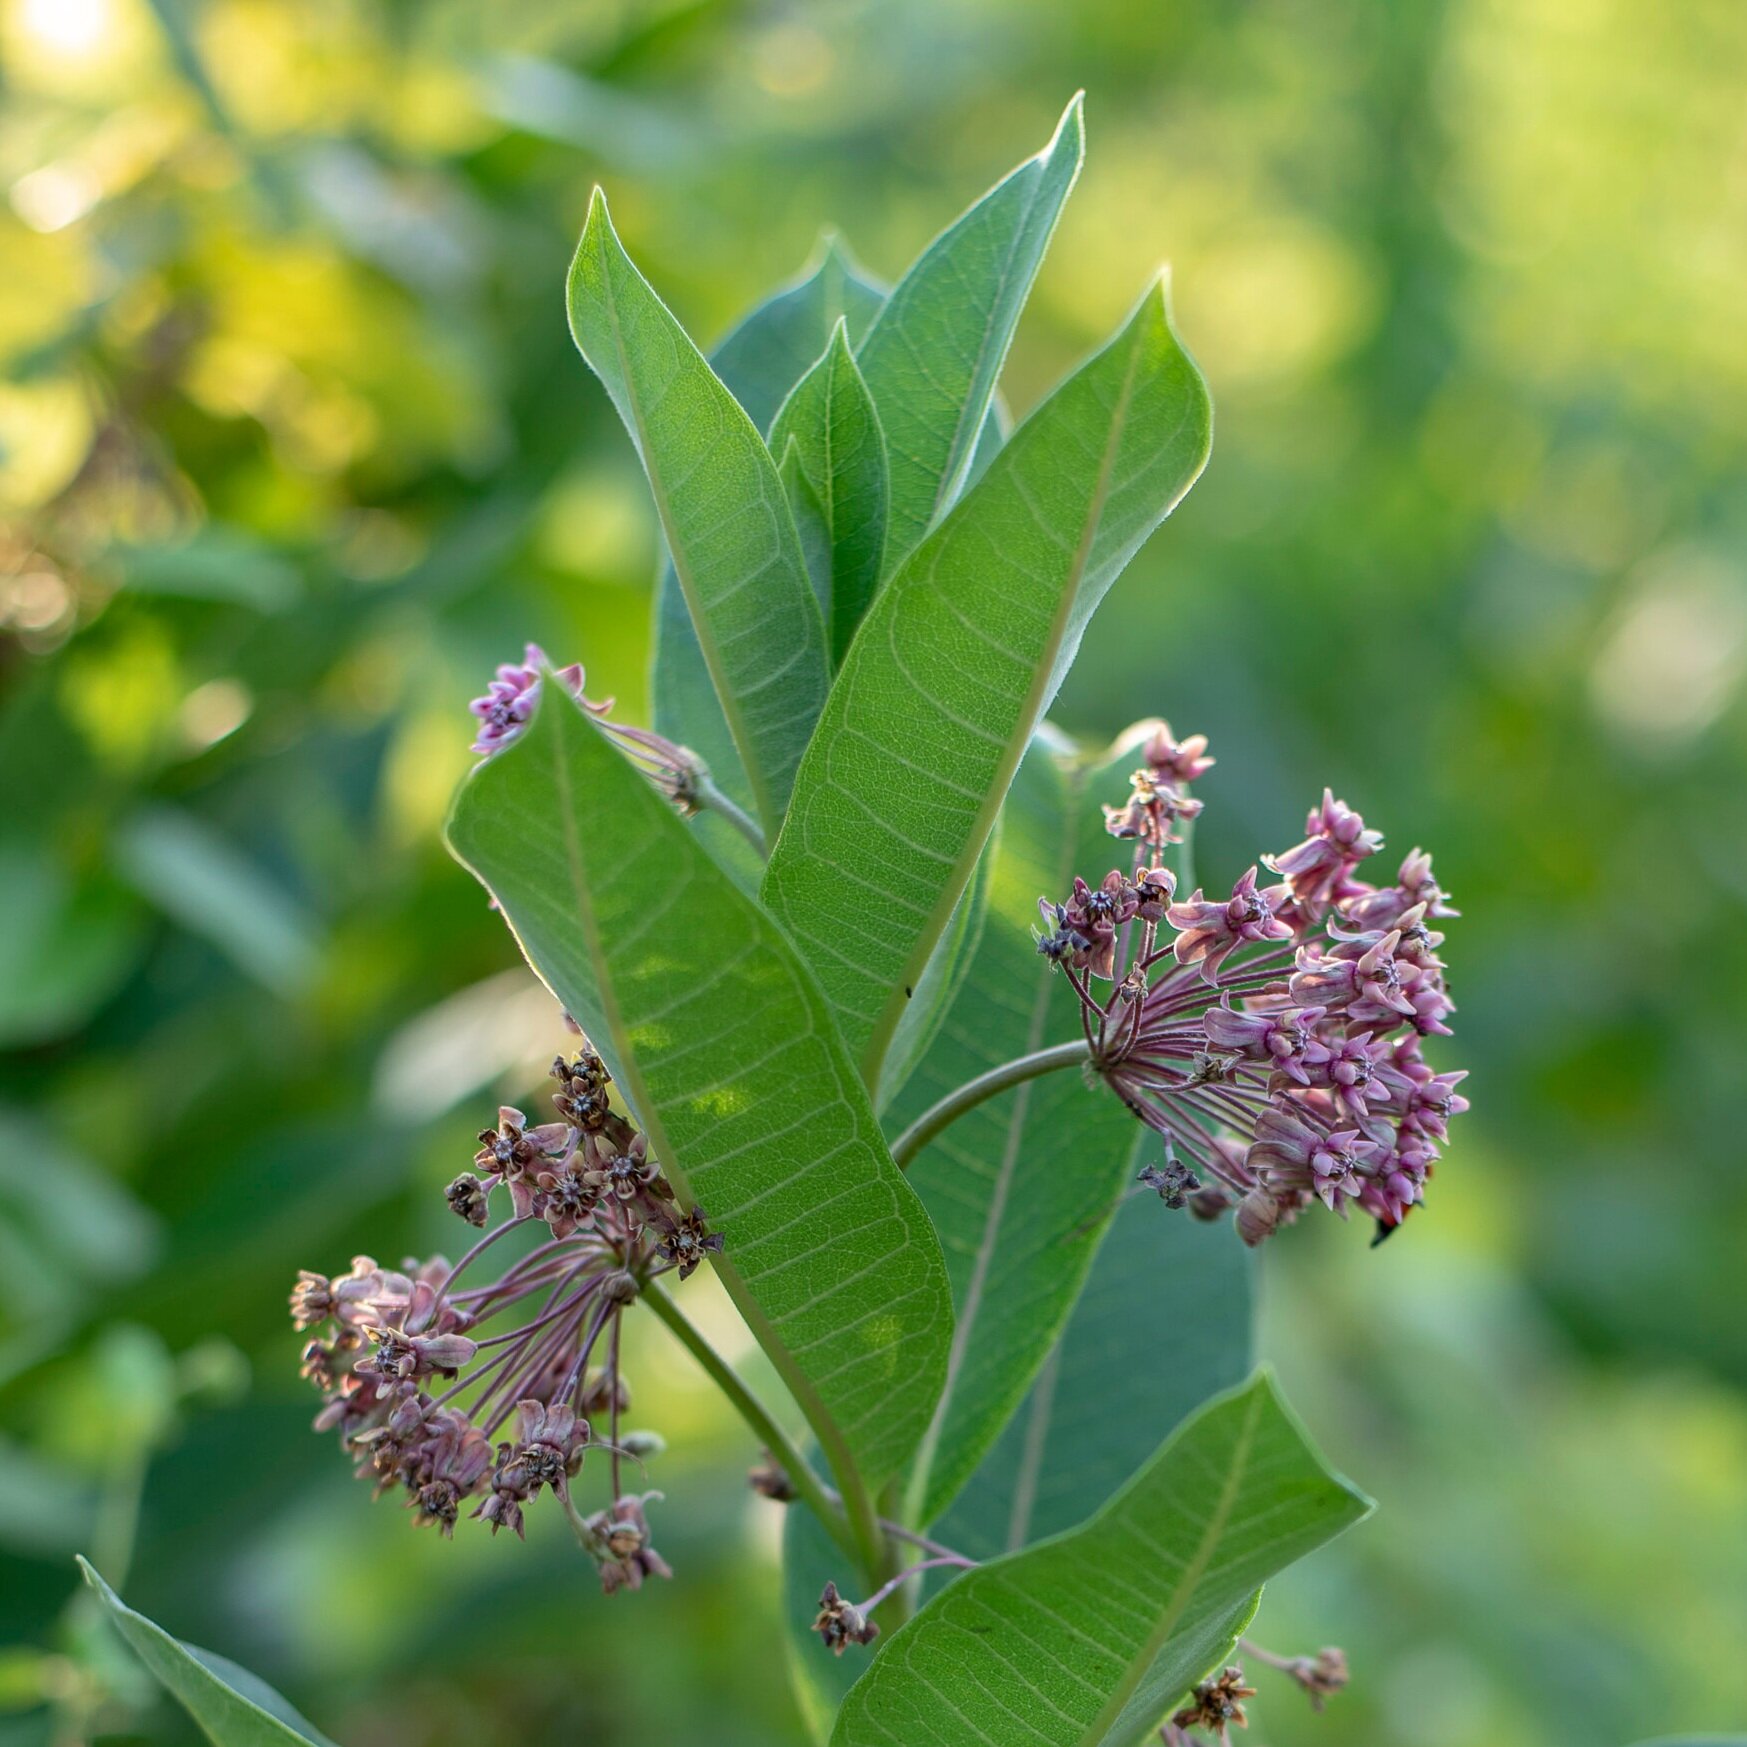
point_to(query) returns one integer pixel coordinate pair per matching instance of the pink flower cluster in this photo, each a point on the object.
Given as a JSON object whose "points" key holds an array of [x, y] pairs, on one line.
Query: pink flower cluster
{"points": [[1273, 1036]]}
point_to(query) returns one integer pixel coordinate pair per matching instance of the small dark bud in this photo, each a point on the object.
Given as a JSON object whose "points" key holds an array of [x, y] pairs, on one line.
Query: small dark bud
{"points": [[1175, 1182], [466, 1198], [1210, 1202], [770, 1479], [1321, 1675], [312, 1299], [318, 1364], [1217, 1703], [840, 1624], [619, 1287], [602, 1392]]}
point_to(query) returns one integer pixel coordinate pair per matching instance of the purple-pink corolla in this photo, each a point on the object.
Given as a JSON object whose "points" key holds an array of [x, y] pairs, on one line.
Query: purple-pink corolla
{"points": [[422, 1367], [1272, 1037], [508, 704]]}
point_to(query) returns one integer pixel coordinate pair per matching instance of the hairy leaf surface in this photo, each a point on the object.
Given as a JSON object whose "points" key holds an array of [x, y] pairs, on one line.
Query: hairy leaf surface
{"points": [[722, 509], [1089, 1639], [723, 1045], [956, 662]]}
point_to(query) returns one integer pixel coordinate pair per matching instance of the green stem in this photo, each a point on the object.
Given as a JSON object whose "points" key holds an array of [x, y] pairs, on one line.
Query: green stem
{"points": [[705, 794], [846, 1534], [984, 1086]]}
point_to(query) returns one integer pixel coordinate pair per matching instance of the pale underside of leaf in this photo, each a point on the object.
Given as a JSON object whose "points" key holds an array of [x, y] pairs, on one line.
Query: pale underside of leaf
{"points": [[723, 1047], [956, 662], [1088, 1640]]}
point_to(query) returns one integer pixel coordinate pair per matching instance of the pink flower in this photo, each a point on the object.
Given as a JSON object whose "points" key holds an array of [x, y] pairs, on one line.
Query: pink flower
{"points": [[509, 701], [1337, 842], [1210, 931]]}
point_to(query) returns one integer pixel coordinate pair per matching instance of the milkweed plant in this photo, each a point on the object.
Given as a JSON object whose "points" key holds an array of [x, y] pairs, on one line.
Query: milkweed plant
{"points": [[909, 1018]]}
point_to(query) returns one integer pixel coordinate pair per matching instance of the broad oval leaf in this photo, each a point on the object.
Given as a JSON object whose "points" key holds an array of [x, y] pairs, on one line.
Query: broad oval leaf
{"points": [[722, 509], [1087, 1640], [830, 427], [233, 1707], [723, 1045], [956, 662], [1021, 1187], [934, 354]]}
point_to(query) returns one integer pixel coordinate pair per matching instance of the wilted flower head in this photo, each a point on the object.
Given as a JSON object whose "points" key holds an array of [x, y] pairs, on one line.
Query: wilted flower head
{"points": [[420, 1391], [686, 1240], [626, 1555], [841, 1624], [1217, 1703]]}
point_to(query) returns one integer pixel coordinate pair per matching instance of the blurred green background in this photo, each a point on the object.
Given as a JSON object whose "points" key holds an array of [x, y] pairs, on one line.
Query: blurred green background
{"points": [[294, 447]]}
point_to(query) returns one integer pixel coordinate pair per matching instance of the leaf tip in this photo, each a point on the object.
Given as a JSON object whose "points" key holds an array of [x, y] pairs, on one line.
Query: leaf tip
{"points": [[1072, 126]]}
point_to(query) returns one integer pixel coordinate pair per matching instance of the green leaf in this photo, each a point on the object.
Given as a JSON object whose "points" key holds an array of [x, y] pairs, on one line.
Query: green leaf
{"points": [[942, 977], [1163, 1322], [1021, 1187], [723, 1045], [1088, 1639], [233, 1707], [779, 341], [957, 661], [835, 432], [810, 524], [722, 509], [934, 354], [759, 363]]}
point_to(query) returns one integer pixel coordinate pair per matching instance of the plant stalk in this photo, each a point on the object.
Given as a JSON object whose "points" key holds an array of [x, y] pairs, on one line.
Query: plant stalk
{"points": [[983, 1087], [813, 1492], [706, 795]]}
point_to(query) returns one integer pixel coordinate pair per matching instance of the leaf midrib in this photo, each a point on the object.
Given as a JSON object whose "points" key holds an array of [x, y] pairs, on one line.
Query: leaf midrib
{"points": [[819, 1418], [701, 624], [880, 1039], [1073, 786], [1098, 1732], [959, 462]]}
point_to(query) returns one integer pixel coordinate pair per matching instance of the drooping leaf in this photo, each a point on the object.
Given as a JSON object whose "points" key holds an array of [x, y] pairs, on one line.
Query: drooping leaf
{"points": [[1163, 1322], [1021, 1187], [957, 661], [934, 354], [233, 1707], [722, 509], [723, 1046], [759, 363], [1087, 1640], [839, 449]]}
